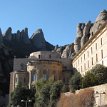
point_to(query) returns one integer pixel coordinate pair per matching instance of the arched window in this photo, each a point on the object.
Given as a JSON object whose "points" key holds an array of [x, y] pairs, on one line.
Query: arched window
{"points": [[34, 77], [45, 75]]}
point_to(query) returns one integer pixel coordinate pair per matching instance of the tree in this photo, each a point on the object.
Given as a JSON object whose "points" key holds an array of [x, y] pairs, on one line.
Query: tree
{"points": [[55, 92], [47, 93], [100, 72], [96, 76], [42, 96], [89, 80], [75, 81], [65, 88], [21, 93]]}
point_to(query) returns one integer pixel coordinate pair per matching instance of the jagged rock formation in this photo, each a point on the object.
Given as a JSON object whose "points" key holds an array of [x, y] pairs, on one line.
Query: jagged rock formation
{"points": [[59, 49], [68, 51], [21, 39], [38, 40], [77, 42], [8, 34], [23, 35], [65, 51], [20, 45], [100, 20], [86, 31]]}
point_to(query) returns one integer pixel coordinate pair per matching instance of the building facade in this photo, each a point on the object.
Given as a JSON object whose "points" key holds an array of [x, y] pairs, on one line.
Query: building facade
{"points": [[93, 52], [39, 65]]}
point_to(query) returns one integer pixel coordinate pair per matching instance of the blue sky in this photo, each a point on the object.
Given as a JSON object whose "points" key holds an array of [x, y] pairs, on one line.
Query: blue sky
{"points": [[57, 18]]}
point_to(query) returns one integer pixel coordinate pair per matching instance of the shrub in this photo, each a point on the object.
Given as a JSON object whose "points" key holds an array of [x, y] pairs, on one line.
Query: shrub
{"points": [[21, 93], [100, 72], [75, 81], [89, 80]]}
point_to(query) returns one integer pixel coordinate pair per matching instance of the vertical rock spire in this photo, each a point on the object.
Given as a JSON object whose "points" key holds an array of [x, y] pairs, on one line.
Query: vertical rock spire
{"points": [[1, 37], [8, 34]]}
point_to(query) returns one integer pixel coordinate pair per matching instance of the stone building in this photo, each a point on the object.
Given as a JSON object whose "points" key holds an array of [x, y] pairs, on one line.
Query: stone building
{"points": [[93, 52], [39, 65]]}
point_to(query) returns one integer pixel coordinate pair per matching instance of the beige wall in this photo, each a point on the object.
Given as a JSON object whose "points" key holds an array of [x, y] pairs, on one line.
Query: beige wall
{"points": [[44, 69], [44, 55], [95, 52], [18, 77]]}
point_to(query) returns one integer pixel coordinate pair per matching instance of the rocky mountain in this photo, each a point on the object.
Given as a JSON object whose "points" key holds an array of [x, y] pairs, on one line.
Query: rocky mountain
{"points": [[20, 45], [84, 32]]}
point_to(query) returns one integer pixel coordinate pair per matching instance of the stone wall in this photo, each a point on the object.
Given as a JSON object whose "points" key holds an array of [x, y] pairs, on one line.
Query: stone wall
{"points": [[100, 93], [69, 99], [20, 64]]}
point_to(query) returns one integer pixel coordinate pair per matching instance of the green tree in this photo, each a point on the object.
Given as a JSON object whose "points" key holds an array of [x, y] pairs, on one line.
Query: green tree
{"points": [[75, 81], [100, 72], [42, 95], [55, 92], [89, 80], [21, 93], [65, 88]]}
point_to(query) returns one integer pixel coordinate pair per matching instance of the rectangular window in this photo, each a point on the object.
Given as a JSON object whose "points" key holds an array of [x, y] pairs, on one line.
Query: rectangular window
{"points": [[101, 53], [96, 46], [101, 41], [91, 50], [96, 58], [84, 66], [84, 56], [92, 61], [81, 59]]}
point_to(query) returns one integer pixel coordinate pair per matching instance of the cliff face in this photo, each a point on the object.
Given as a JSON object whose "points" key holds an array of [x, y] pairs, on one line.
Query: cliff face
{"points": [[84, 32], [20, 45], [21, 40]]}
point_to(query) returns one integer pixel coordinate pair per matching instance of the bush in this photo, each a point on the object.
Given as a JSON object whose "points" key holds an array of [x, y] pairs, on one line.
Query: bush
{"points": [[100, 72], [55, 92], [75, 81], [21, 93], [65, 88], [47, 93], [89, 80], [96, 76]]}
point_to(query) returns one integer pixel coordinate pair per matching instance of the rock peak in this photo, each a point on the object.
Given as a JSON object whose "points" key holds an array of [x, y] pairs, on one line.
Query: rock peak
{"points": [[102, 16], [38, 39], [8, 34]]}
